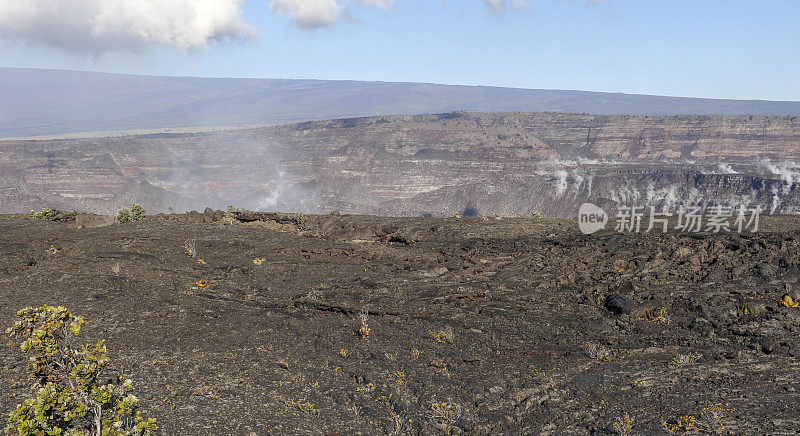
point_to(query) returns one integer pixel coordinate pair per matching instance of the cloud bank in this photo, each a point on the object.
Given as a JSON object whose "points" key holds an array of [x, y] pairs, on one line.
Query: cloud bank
{"points": [[99, 25], [95, 26]]}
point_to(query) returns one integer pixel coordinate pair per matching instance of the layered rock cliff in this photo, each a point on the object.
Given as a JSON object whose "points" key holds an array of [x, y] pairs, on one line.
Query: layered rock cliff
{"points": [[488, 163]]}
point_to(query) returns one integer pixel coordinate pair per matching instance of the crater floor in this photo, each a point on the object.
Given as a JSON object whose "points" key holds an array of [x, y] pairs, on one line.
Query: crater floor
{"points": [[511, 326]]}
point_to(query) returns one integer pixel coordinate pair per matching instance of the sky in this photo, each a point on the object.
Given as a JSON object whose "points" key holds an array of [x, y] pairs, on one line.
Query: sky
{"points": [[694, 48]]}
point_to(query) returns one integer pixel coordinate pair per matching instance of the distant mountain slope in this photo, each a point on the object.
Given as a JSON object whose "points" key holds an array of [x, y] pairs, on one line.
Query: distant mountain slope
{"points": [[42, 102]]}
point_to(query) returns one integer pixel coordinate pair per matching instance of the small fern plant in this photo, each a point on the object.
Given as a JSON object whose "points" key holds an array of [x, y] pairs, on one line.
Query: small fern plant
{"points": [[76, 390]]}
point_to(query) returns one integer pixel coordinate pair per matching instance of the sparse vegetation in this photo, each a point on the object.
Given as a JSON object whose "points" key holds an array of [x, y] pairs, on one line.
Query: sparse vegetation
{"points": [[640, 383], [137, 212], [597, 352], [710, 420], [364, 330], [399, 423], [210, 392], [789, 302], [443, 335], [623, 425], [123, 215], [44, 214], [190, 248], [444, 414], [400, 378], [682, 360], [76, 389], [369, 387], [746, 310], [301, 220], [202, 283], [301, 405], [657, 316], [440, 367]]}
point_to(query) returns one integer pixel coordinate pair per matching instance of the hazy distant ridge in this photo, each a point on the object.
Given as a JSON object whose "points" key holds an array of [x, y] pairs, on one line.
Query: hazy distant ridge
{"points": [[42, 102]]}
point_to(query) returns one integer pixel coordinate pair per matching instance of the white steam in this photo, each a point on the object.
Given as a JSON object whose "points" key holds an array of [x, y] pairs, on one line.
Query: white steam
{"points": [[788, 172], [776, 200], [270, 200], [673, 198], [575, 176], [561, 181]]}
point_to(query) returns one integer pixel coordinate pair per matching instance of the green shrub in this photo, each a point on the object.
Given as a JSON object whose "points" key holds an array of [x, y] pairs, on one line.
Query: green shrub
{"points": [[44, 214], [76, 390], [137, 212], [124, 215], [301, 220]]}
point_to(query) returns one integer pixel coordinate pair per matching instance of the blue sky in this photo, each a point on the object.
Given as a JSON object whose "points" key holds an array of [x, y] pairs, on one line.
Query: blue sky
{"points": [[698, 48]]}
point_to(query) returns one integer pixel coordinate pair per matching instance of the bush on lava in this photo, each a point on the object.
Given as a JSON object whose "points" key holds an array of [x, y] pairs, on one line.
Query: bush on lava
{"points": [[76, 390], [124, 215], [135, 213], [44, 214]]}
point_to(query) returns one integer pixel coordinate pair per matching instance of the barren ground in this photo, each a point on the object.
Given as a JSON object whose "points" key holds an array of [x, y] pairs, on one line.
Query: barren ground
{"points": [[498, 325]]}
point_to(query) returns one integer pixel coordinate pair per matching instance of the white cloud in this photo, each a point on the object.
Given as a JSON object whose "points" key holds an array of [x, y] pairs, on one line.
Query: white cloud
{"points": [[95, 26], [99, 25], [309, 14], [383, 4], [498, 5], [313, 14]]}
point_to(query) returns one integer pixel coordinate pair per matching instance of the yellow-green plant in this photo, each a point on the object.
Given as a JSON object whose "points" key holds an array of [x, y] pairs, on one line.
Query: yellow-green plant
{"points": [[623, 425], [137, 212], [44, 214], [301, 220], [76, 389], [711, 420], [444, 414], [124, 215]]}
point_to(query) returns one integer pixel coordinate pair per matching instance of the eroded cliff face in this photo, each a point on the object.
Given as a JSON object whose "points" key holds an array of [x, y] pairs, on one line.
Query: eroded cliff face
{"points": [[413, 165], [550, 135]]}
